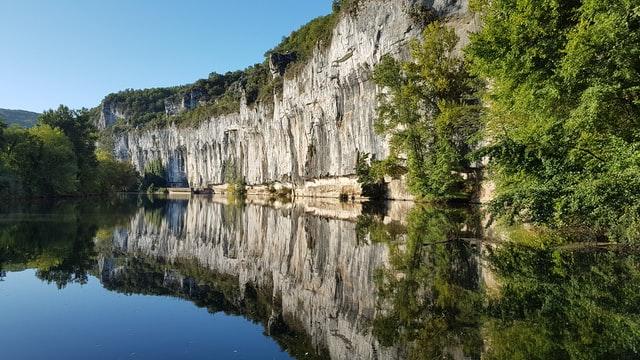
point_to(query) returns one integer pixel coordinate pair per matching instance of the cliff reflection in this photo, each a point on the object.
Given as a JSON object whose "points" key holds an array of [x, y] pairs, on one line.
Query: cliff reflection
{"points": [[298, 269]]}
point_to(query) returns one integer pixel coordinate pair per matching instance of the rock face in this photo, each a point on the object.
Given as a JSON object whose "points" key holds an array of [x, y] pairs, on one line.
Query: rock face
{"points": [[315, 128], [109, 114], [312, 265]]}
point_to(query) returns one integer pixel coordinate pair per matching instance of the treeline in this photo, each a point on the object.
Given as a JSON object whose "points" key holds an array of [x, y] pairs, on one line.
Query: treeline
{"points": [[58, 157], [219, 94], [548, 93]]}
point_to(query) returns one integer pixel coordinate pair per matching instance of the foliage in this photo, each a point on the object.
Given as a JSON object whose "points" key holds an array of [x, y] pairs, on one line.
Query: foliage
{"points": [[422, 14], [430, 110], [303, 42], [77, 125], [258, 83], [9, 183], [219, 94], [237, 188], [36, 162], [57, 170], [141, 106], [370, 174], [153, 175], [346, 6], [226, 104], [564, 112], [58, 158], [280, 193], [115, 176]]}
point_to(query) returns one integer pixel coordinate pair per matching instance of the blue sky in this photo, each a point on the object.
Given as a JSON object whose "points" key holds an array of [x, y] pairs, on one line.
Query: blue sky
{"points": [[75, 52]]}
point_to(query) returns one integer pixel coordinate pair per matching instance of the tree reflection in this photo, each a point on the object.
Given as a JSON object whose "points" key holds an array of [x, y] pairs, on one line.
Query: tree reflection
{"points": [[429, 296], [561, 302], [553, 299], [57, 238]]}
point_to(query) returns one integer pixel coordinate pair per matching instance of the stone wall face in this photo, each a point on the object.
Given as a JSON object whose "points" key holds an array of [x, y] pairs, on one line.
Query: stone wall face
{"points": [[315, 128]]}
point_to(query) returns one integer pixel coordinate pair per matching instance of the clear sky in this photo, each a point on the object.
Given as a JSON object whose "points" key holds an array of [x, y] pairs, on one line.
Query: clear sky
{"points": [[75, 52]]}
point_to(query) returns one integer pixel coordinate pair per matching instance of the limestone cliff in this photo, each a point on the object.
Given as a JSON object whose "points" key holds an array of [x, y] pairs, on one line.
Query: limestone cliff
{"points": [[314, 129]]}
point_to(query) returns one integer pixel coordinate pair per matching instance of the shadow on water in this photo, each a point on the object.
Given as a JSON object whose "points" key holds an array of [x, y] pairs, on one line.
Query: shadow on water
{"points": [[343, 280]]}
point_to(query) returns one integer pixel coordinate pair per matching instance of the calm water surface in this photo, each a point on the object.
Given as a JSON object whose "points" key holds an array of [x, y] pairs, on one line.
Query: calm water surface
{"points": [[202, 278]]}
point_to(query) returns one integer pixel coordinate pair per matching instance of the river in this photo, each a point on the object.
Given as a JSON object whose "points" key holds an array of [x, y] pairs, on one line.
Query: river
{"points": [[202, 277]]}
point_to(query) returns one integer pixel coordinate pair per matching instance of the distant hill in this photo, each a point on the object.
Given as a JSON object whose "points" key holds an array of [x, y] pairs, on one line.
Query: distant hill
{"points": [[19, 117]]}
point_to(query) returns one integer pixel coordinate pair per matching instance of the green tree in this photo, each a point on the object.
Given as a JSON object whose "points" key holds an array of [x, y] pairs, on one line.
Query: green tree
{"points": [[9, 183], [430, 109], [37, 162], [114, 175], [3, 126], [20, 158], [563, 112], [56, 171], [77, 125], [154, 174]]}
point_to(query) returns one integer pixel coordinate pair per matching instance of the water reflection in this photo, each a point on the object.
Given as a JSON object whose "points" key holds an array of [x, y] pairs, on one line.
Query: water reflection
{"points": [[301, 274], [556, 302], [430, 294], [56, 238], [332, 280]]}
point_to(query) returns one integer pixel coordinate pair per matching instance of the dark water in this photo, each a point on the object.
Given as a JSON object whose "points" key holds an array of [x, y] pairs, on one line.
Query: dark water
{"points": [[199, 278]]}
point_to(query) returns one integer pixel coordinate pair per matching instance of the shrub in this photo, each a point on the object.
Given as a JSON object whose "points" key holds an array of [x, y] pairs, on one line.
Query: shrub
{"points": [[114, 175], [563, 121], [370, 178], [237, 188], [154, 174]]}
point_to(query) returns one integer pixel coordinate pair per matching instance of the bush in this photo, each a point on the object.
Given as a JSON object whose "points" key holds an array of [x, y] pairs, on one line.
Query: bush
{"points": [[370, 179], [154, 175], [303, 41], [114, 175], [237, 188]]}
